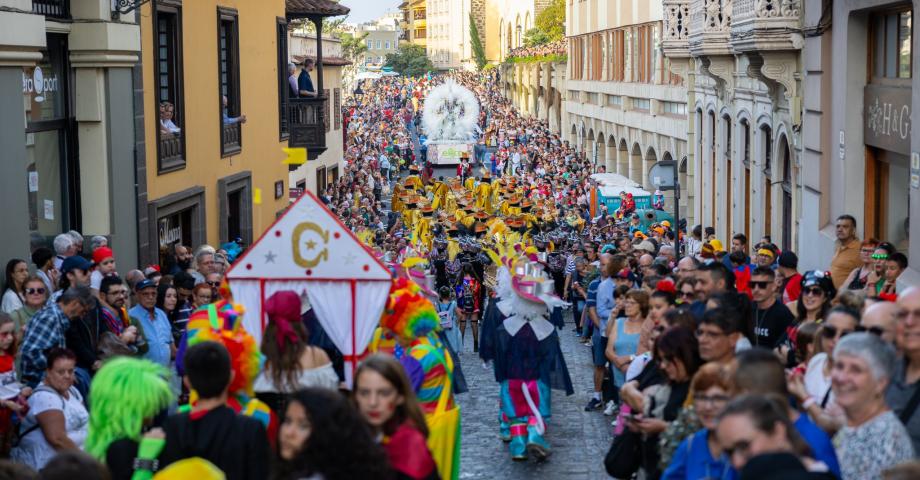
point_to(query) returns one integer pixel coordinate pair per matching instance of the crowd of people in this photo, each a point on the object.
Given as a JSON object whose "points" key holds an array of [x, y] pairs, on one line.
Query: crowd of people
{"points": [[559, 47], [709, 363]]}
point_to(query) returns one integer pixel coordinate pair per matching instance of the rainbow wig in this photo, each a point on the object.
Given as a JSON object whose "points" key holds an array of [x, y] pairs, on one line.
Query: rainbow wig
{"points": [[124, 393], [408, 313], [222, 322]]}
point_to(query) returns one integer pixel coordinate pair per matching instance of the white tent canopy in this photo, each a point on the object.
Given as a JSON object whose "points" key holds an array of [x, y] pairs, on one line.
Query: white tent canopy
{"points": [[611, 184], [307, 250]]}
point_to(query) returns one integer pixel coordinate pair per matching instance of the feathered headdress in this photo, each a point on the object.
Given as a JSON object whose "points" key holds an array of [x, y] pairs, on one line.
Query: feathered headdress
{"points": [[408, 313], [125, 392]]}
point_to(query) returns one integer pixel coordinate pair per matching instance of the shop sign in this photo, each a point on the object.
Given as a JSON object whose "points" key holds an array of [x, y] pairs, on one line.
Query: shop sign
{"points": [[888, 118], [294, 193], [37, 85], [170, 231]]}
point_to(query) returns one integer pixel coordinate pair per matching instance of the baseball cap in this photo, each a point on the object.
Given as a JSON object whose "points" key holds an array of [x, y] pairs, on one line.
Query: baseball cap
{"points": [[76, 262], [646, 245], [145, 283]]}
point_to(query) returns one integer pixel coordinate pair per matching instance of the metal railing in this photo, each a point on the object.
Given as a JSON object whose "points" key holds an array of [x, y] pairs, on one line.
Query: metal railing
{"points": [[52, 8]]}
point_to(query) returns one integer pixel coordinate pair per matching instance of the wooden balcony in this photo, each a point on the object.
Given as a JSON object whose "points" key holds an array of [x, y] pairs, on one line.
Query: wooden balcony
{"points": [[171, 151], [231, 139], [710, 27], [767, 25], [306, 125], [675, 43]]}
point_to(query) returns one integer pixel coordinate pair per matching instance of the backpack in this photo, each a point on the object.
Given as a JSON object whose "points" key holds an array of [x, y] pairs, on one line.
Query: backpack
{"points": [[445, 316]]}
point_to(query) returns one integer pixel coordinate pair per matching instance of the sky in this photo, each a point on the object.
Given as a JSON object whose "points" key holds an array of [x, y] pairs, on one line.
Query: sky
{"points": [[365, 10]]}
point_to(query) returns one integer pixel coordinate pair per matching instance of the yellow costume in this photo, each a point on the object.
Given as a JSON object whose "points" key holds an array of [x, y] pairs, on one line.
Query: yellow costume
{"points": [[415, 181]]}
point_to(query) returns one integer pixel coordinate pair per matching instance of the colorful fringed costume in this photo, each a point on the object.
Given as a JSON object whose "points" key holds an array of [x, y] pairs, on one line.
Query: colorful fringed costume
{"points": [[524, 348], [222, 322], [408, 331]]}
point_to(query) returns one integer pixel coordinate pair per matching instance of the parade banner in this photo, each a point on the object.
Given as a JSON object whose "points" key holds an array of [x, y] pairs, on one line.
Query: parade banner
{"points": [[308, 251]]}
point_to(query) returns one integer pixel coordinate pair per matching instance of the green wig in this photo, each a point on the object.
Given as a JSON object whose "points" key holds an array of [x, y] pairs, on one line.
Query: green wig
{"points": [[125, 392]]}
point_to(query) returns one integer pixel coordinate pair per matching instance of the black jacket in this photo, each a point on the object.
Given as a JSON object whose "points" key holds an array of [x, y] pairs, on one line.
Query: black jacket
{"points": [[83, 336]]}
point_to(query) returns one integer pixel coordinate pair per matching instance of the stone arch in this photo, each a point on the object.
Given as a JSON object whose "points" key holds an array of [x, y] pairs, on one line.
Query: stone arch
{"points": [[610, 153], [765, 159], [650, 158], [635, 163], [591, 134], [527, 25], [509, 38], [518, 34], [623, 158], [601, 159]]}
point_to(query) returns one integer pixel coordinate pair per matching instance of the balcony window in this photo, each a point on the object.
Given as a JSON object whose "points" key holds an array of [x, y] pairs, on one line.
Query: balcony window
{"points": [[52, 8], [614, 101], [169, 86], [285, 88], [337, 107], [674, 108], [228, 56], [891, 45], [642, 104]]}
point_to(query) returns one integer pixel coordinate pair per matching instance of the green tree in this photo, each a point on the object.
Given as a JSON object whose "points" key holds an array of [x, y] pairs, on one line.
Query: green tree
{"points": [[551, 21], [479, 52], [411, 61], [534, 37]]}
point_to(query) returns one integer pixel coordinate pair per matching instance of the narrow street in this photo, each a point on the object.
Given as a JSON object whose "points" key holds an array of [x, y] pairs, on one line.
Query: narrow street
{"points": [[579, 439]]}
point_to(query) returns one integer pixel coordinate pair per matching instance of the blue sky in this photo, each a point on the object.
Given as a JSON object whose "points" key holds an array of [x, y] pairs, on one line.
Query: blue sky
{"points": [[364, 10]]}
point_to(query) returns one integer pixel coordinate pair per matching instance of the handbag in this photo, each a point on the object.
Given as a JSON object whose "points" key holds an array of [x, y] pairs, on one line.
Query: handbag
{"points": [[625, 455], [444, 427]]}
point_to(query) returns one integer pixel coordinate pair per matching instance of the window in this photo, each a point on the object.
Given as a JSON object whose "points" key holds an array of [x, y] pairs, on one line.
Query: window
{"points": [[337, 108], [320, 180], [284, 86], [387, 45], [891, 45], [641, 104], [378, 44], [228, 61], [674, 108], [614, 101], [370, 44], [167, 18]]}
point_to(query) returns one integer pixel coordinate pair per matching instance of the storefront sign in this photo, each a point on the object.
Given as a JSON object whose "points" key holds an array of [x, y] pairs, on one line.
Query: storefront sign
{"points": [[295, 192], [887, 118], [170, 231], [37, 85]]}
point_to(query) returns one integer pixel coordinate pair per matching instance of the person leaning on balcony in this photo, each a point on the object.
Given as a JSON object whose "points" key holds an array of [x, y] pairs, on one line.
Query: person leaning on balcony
{"points": [[228, 120], [167, 127], [304, 82], [292, 80]]}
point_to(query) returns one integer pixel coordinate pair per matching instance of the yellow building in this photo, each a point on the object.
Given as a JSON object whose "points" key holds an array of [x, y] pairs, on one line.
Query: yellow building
{"points": [[215, 91], [415, 22]]}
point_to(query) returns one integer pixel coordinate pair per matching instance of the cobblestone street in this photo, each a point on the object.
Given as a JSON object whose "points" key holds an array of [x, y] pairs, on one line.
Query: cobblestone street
{"points": [[579, 439]]}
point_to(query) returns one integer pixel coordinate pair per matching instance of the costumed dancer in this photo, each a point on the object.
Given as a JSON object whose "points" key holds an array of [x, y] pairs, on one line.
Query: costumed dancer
{"points": [[627, 206], [526, 355], [126, 393], [405, 327]]}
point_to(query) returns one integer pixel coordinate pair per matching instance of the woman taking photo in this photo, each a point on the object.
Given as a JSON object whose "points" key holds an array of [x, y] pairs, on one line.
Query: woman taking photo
{"points": [[57, 419], [699, 455], [17, 271], [387, 402], [623, 334], [322, 436], [290, 363], [36, 295], [873, 439]]}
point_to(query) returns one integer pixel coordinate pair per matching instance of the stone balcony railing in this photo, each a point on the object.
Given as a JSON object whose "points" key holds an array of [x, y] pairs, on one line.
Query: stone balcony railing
{"points": [[676, 27], [710, 27], [765, 25]]}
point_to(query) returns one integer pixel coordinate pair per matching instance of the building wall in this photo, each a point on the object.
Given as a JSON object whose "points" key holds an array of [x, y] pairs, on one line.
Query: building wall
{"points": [[333, 157], [517, 16], [628, 111], [836, 160], [95, 84], [260, 157], [377, 56]]}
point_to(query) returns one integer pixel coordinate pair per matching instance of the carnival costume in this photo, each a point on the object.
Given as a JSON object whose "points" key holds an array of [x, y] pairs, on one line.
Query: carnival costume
{"points": [[525, 351], [407, 331]]}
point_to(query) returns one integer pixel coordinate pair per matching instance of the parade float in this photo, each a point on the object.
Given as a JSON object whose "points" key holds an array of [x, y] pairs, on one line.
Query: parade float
{"points": [[449, 119]]}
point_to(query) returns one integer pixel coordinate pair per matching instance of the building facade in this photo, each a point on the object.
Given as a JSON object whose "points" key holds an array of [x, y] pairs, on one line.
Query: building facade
{"points": [[67, 123], [742, 62], [414, 24], [209, 177], [859, 154], [380, 40], [622, 105], [515, 18], [315, 175]]}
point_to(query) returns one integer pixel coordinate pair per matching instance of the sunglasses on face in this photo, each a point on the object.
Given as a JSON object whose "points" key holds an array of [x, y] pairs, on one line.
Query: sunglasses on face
{"points": [[35, 291], [687, 294], [877, 331], [813, 291], [759, 284], [214, 284], [879, 256], [831, 331], [739, 447]]}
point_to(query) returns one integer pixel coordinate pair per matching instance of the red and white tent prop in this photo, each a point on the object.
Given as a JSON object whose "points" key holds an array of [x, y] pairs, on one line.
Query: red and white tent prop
{"points": [[307, 250]]}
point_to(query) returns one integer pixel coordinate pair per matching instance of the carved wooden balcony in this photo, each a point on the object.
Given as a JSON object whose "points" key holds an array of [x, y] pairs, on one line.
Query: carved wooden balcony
{"points": [[676, 28], [767, 25], [306, 125], [710, 27], [231, 137]]}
